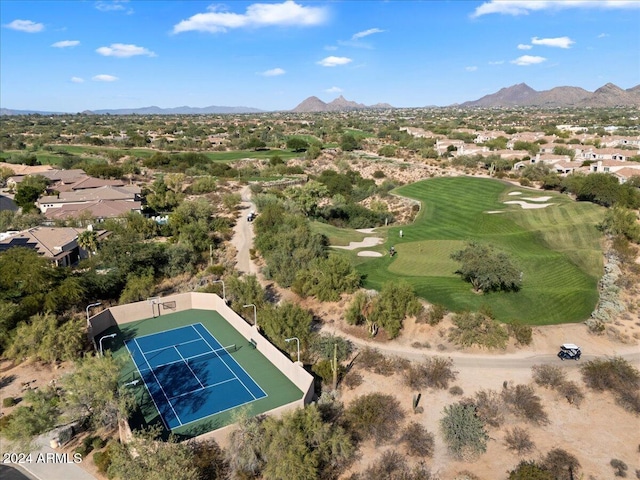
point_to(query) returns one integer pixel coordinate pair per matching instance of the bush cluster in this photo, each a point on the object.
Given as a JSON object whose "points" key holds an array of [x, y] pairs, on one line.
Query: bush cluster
{"points": [[616, 375]]}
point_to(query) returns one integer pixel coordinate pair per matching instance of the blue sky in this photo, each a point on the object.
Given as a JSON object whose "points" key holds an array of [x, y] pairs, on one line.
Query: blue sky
{"points": [[85, 55]]}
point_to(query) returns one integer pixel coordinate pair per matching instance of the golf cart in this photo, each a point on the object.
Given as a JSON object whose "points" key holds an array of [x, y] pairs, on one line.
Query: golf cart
{"points": [[252, 215], [569, 351]]}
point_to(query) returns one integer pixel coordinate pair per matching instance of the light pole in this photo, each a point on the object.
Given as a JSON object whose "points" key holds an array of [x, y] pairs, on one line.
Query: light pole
{"points": [[89, 306], [102, 338], [297, 342], [224, 295], [255, 314]]}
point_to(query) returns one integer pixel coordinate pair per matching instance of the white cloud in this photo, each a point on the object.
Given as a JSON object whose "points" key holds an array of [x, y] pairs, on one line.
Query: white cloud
{"points": [[104, 78], [334, 61], [496, 62], [122, 50], [366, 33], [603, 35], [66, 43], [330, 48], [288, 13], [523, 46], [472, 68], [25, 26], [77, 80], [274, 72], [558, 42], [333, 90], [525, 60], [113, 6], [524, 7]]}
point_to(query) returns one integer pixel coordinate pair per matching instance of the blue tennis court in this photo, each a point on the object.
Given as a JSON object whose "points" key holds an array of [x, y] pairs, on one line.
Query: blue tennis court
{"points": [[190, 375]]}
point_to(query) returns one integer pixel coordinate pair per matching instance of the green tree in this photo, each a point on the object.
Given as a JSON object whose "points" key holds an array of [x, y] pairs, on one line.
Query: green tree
{"points": [[91, 391], [622, 221], [25, 197], [245, 443], [348, 142], [301, 446], [486, 269], [138, 287], [297, 144], [46, 339], [327, 279], [463, 431], [88, 240], [307, 196], [39, 414], [145, 458], [395, 302], [285, 321]]}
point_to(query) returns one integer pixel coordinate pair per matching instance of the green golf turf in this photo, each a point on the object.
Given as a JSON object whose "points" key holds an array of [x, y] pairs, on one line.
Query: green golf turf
{"points": [[280, 390], [557, 249]]}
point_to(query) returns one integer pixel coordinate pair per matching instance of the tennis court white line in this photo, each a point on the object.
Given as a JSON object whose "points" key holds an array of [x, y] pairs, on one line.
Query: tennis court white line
{"points": [[171, 346], [159, 384], [145, 385], [241, 367], [203, 388], [168, 330], [189, 367], [225, 363], [188, 358]]}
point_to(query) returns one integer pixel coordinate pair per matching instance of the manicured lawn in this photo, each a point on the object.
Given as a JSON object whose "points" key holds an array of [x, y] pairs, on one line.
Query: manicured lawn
{"points": [[240, 154], [557, 249], [337, 236]]}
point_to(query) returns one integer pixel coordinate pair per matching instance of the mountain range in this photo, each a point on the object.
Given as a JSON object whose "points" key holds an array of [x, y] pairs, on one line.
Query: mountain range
{"points": [[608, 95]]}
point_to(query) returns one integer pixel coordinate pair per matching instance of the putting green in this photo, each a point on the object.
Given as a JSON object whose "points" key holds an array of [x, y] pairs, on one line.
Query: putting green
{"points": [[557, 249]]}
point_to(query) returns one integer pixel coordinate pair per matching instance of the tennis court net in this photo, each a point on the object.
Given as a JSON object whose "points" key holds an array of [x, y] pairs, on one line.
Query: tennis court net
{"points": [[203, 357]]}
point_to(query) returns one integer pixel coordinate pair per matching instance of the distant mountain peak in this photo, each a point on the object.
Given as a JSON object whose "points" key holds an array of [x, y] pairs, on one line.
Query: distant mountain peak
{"points": [[314, 104]]}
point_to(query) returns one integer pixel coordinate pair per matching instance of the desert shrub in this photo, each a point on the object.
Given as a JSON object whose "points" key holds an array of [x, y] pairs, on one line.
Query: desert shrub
{"points": [[102, 460], [373, 360], [209, 459], [378, 174], [610, 374], [393, 466], [456, 390], [352, 380], [617, 375], [572, 392], [478, 329], [489, 407], [435, 372], [524, 403], [549, 376], [419, 441], [375, 416], [519, 440], [8, 402], [619, 466], [530, 470], [561, 464], [463, 431], [522, 333], [97, 443], [436, 313]]}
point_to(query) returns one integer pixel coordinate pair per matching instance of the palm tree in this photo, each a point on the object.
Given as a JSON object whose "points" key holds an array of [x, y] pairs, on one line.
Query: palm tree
{"points": [[88, 240]]}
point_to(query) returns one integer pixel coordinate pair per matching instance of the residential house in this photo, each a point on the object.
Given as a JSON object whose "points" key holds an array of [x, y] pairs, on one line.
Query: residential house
{"points": [[107, 193], [60, 245]]}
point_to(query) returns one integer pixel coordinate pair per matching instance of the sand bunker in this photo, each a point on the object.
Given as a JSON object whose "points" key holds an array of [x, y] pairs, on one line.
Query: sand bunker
{"points": [[527, 205], [495, 211], [367, 242], [515, 193], [369, 253], [537, 199]]}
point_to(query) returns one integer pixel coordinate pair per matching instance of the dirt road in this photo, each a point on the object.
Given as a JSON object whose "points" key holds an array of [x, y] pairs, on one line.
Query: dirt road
{"points": [[243, 235]]}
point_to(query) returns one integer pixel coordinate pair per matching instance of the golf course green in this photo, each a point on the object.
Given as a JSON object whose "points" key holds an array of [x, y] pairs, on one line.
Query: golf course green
{"points": [[556, 247]]}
